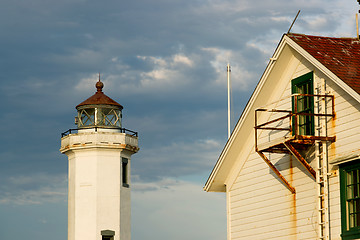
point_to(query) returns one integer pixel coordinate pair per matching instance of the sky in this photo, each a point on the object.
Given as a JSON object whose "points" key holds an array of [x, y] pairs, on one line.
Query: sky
{"points": [[165, 62]]}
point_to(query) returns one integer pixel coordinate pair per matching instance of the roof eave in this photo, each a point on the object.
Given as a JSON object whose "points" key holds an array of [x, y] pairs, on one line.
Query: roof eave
{"points": [[218, 185]]}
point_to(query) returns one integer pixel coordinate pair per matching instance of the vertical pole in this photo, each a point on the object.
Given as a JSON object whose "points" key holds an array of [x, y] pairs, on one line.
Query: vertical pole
{"points": [[228, 87], [357, 26]]}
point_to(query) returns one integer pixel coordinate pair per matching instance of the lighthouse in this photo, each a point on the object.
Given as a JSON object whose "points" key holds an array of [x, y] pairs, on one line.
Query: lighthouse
{"points": [[99, 157]]}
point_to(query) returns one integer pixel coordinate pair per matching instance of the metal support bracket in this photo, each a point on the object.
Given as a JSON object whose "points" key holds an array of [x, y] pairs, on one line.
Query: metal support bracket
{"points": [[267, 161], [298, 156]]}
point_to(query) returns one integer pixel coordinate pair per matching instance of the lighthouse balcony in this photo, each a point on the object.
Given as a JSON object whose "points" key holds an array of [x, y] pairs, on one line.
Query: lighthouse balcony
{"points": [[78, 138], [100, 129]]}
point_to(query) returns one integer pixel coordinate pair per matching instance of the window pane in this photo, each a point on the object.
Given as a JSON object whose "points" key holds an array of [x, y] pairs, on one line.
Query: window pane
{"points": [[351, 214], [87, 117], [353, 202], [349, 180], [355, 183], [349, 192], [109, 117], [357, 212]]}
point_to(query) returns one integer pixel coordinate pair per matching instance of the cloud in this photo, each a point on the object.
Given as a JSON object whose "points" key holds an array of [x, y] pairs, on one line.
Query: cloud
{"points": [[33, 189], [241, 77], [167, 73], [87, 84], [165, 62], [173, 203], [176, 159], [182, 59]]}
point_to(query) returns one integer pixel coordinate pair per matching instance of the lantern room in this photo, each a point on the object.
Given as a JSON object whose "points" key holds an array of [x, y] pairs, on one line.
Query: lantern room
{"points": [[99, 111]]}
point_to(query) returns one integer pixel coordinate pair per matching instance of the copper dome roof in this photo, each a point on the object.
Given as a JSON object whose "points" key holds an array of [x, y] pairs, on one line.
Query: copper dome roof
{"points": [[99, 98]]}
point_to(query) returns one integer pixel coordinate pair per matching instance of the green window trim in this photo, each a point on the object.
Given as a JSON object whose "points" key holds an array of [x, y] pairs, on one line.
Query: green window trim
{"points": [[305, 104], [350, 200]]}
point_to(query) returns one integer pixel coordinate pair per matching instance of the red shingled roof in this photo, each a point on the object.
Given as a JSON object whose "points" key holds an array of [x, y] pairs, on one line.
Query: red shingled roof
{"points": [[340, 55]]}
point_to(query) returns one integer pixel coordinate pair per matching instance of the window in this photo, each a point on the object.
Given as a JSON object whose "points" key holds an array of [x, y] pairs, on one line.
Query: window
{"points": [[99, 116], [125, 172], [86, 117], [107, 235], [350, 200], [303, 104], [109, 117]]}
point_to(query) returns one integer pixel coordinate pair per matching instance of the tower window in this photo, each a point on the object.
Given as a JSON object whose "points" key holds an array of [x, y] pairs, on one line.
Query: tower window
{"points": [[107, 235], [125, 172]]}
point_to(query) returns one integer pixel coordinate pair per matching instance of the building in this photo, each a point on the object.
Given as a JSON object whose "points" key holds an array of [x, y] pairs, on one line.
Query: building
{"points": [[291, 168], [99, 153]]}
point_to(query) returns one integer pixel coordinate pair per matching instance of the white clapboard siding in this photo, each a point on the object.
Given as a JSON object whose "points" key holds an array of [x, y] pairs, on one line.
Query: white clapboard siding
{"points": [[346, 125], [334, 204], [262, 192], [260, 206]]}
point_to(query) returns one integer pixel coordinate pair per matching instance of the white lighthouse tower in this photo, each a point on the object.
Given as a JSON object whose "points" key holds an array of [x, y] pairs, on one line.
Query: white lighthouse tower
{"points": [[99, 153]]}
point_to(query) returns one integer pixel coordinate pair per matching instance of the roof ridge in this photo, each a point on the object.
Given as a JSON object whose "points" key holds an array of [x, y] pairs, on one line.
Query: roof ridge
{"points": [[318, 36]]}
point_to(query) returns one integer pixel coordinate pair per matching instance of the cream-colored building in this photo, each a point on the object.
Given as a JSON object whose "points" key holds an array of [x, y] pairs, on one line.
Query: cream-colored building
{"points": [[99, 153], [291, 167]]}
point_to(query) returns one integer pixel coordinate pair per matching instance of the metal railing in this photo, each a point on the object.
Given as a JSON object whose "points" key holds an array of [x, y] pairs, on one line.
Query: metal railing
{"points": [[122, 130], [291, 115]]}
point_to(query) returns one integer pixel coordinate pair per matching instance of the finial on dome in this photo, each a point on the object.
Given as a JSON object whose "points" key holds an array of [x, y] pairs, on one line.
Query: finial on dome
{"points": [[99, 85]]}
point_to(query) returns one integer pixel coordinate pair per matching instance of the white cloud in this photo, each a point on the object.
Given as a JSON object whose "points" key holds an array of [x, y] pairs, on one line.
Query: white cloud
{"points": [[182, 59], [317, 22], [265, 43], [159, 78], [157, 61], [167, 72], [280, 19], [240, 75], [87, 84]]}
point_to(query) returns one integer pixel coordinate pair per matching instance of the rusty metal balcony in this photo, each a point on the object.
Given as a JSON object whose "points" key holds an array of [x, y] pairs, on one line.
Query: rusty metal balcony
{"points": [[284, 131]]}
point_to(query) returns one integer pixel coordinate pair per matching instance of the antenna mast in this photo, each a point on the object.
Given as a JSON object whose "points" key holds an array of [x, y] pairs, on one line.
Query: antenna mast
{"points": [[357, 24], [229, 87], [293, 22]]}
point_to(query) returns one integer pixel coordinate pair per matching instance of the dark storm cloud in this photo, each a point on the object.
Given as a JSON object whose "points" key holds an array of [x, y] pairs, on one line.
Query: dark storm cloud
{"points": [[164, 61], [49, 46]]}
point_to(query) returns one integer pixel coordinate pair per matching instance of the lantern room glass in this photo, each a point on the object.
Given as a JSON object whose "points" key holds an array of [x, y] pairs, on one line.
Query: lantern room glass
{"points": [[100, 116]]}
